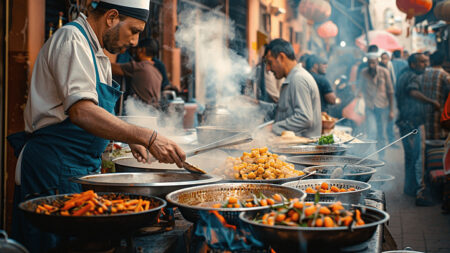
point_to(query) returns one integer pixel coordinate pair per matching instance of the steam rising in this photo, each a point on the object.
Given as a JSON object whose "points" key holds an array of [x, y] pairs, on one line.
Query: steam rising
{"points": [[205, 36]]}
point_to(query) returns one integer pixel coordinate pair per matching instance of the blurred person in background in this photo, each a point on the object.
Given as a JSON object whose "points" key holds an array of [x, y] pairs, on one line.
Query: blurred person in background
{"points": [[303, 59], [373, 49], [268, 87], [317, 67], [298, 108], [436, 86], [385, 61], [411, 116], [376, 87], [398, 63], [145, 79], [445, 122], [405, 55]]}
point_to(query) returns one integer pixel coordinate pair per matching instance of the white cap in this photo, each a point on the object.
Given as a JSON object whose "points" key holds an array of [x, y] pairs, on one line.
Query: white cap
{"points": [[132, 8]]}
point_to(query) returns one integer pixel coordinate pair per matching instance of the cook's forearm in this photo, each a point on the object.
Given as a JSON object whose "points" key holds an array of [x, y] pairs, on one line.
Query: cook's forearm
{"points": [[101, 123]]}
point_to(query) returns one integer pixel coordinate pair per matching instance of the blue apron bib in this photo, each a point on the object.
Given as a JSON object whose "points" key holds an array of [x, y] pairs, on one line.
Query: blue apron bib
{"points": [[52, 156]]}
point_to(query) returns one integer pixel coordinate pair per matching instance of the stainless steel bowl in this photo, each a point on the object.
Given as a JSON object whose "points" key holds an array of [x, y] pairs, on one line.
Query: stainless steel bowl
{"points": [[361, 148], [310, 150], [200, 199], [377, 181], [154, 184], [353, 197], [315, 239], [301, 162], [351, 172]]}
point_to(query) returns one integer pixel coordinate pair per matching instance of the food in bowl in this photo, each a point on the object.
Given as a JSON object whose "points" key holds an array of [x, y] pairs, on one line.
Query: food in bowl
{"points": [[324, 188], [89, 203], [259, 164], [307, 214], [260, 200]]}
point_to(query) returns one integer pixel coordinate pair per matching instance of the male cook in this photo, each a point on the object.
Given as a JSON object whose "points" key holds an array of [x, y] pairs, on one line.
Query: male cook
{"points": [[298, 109], [69, 113]]}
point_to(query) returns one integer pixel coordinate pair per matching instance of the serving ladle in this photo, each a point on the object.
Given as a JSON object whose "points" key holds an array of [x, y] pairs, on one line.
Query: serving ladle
{"points": [[339, 172]]}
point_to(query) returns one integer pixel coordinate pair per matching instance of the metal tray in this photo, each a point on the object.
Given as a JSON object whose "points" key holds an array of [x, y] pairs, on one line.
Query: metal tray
{"points": [[353, 197], [301, 162], [105, 226], [351, 172], [192, 201], [154, 184], [315, 239], [310, 150]]}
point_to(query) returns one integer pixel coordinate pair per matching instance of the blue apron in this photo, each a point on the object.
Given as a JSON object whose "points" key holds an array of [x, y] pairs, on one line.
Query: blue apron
{"points": [[52, 156]]}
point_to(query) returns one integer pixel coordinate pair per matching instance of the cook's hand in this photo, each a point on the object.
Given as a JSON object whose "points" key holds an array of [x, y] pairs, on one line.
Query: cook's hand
{"points": [[167, 151], [391, 115], [140, 153]]}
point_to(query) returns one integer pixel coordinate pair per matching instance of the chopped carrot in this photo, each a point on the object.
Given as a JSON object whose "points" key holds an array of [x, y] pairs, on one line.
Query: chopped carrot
{"points": [[334, 189], [263, 202], [218, 205], [328, 222], [324, 210], [270, 201], [280, 217], [310, 211], [324, 186], [232, 200], [298, 205], [277, 197]]}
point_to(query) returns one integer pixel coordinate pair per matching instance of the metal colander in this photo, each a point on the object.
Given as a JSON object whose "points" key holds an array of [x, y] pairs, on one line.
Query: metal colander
{"points": [[353, 197], [191, 201]]}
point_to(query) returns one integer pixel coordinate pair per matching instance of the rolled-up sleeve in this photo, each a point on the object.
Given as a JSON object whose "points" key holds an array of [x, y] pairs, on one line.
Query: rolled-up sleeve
{"points": [[73, 69], [303, 116]]}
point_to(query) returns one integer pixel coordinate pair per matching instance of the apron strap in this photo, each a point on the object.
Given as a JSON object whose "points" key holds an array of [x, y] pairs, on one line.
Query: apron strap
{"points": [[77, 25]]}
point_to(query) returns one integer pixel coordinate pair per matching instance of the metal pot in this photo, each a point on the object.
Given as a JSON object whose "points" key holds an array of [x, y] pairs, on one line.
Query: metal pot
{"points": [[154, 184], [9, 245]]}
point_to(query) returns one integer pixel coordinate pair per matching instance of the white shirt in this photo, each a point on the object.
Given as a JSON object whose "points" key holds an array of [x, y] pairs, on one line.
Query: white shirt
{"points": [[63, 74]]}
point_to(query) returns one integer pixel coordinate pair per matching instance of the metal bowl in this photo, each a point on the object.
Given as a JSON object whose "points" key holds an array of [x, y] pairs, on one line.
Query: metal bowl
{"points": [[351, 172], [310, 150], [353, 197], [104, 226], [361, 148], [378, 180], [154, 184], [313, 239], [301, 162], [200, 199]]}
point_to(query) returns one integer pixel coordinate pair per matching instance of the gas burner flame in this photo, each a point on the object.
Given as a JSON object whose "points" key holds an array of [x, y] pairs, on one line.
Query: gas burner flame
{"points": [[220, 235]]}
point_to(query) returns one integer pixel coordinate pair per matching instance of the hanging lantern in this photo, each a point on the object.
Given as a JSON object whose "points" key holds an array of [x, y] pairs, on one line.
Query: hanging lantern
{"points": [[414, 8], [442, 11], [394, 30], [315, 11], [327, 30]]}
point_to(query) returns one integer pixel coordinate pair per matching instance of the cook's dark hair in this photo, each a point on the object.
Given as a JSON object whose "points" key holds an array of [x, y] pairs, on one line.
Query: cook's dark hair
{"points": [[397, 54], [278, 46], [151, 46], [437, 58], [413, 58]]}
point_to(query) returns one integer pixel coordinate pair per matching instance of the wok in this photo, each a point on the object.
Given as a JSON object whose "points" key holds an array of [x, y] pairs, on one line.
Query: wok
{"points": [[314, 160], [154, 184], [352, 197], [351, 172], [310, 150], [200, 199], [315, 239], [118, 225]]}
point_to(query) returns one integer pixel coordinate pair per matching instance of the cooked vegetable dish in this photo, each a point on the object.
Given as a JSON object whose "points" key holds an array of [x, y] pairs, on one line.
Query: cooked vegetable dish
{"points": [[89, 203]]}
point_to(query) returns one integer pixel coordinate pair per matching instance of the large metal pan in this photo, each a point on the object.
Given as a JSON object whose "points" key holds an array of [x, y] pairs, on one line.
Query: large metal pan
{"points": [[154, 184], [315, 239], [301, 162], [351, 197], [351, 172], [105, 226], [195, 201], [310, 150]]}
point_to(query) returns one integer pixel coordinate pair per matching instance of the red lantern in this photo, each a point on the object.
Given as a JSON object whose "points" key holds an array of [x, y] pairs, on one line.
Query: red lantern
{"points": [[315, 10], [414, 7], [327, 30]]}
